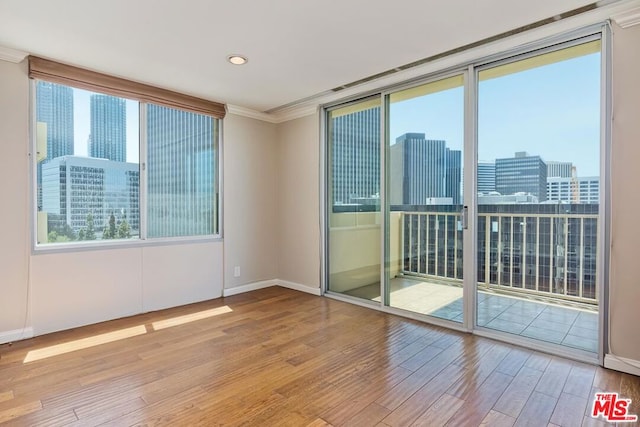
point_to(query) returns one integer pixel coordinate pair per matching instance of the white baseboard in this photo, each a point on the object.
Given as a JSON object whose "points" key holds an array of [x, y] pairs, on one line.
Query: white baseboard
{"points": [[227, 292], [298, 287], [16, 335], [622, 364]]}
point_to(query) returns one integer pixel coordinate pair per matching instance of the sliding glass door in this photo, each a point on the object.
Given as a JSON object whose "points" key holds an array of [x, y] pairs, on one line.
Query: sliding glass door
{"points": [[475, 199], [425, 153], [538, 179]]}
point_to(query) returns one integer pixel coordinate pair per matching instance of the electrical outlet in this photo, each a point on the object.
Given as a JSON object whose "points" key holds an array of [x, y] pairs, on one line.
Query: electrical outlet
{"points": [[236, 271]]}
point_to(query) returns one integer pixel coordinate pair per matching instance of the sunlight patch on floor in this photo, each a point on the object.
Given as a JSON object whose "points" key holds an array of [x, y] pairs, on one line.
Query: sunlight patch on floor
{"points": [[188, 318], [424, 297], [83, 343]]}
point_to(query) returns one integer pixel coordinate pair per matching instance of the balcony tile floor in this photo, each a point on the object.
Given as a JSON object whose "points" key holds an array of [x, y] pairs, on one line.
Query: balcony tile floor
{"points": [[567, 326]]}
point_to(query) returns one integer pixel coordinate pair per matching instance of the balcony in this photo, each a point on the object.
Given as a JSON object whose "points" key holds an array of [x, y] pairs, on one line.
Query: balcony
{"points": [[536, 269]]}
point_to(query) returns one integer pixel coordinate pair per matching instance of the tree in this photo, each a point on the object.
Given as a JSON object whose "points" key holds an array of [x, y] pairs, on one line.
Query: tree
{"points": [[124, 231], [88, 232], [68, 232], [110, 231], [55, 237]]}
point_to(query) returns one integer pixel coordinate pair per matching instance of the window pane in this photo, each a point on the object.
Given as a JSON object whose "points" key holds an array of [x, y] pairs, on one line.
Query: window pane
{"points": [[426, 133], [354, 199], [88, 171], [182, 152], [538, 202]]}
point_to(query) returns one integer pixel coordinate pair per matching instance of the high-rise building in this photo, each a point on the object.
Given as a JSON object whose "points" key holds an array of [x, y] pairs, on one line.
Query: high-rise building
{"points": [[422, 169], [355, 156], [486, 177], [453, 176], [108, 139], [181, 175], [74, 187], [559, 169], [54, 108], [522, 174], [584, 189]]}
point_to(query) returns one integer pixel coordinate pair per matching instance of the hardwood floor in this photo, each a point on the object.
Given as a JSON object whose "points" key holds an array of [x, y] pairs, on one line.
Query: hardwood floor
{"points": [[278, 357]]}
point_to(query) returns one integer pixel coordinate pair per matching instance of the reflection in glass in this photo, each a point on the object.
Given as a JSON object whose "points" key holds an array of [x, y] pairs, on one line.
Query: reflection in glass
{"points": [[354, 199]]}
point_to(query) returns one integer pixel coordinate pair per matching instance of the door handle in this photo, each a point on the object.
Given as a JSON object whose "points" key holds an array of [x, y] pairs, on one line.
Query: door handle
{"points": [[464, 216]]}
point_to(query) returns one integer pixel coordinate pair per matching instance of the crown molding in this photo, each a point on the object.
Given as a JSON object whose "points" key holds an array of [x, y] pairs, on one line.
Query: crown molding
{"points": [[280, 117], [12, 55], [627, 18], [252, 114], [295, 113]]}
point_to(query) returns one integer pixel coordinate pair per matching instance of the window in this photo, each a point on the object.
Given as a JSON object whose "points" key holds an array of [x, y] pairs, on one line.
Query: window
{"points": [[182, 185], [96, 172]]}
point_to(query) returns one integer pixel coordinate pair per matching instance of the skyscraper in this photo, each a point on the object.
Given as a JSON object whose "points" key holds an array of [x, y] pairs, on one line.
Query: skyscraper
{"points": [[182, 181], [355, 155], [453, 175], [54, 107], [522, 174], [108, 139], [423, 168], [486, 177]]}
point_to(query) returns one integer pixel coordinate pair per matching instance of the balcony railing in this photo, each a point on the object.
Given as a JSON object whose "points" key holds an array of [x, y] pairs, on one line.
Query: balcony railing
{"points": [[551, 255]]}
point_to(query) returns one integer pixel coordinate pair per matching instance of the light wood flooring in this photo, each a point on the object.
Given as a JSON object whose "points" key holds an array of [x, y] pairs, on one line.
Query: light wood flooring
{"points": [[277, 357]]}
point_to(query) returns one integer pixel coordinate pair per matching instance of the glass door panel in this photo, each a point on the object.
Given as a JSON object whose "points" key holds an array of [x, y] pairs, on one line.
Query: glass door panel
{"points": [[538, 181], [424, 156], [353, 203]]}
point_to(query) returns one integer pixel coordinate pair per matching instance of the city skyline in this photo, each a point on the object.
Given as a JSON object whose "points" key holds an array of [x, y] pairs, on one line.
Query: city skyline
{"points": [[553, 109], [95, 192]]}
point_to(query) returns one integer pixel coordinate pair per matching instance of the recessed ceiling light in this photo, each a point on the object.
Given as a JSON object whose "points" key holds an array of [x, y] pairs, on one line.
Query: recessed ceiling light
{"points": [[237, 59]]}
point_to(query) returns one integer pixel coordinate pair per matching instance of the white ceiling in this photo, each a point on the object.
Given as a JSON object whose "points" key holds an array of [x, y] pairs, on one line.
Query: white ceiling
{"points": [[296, 48]]}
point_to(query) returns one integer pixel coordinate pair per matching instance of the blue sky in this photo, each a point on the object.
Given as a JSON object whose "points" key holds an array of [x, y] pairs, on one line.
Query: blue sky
{"points": [[552, 111]]}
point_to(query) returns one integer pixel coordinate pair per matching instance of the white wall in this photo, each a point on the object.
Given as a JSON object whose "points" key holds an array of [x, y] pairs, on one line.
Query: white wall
{"points": [[298, 196], [250, 201], [14, 190]]}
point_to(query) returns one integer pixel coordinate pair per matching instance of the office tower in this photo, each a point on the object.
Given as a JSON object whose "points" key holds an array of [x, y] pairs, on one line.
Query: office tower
{"points": [[522, 174], [453, 175], [486, 177], [559, 169], [355, 153], [75, 187], [181, 178], [574, 190], [108, 139], [54, 108], [422, 169]]}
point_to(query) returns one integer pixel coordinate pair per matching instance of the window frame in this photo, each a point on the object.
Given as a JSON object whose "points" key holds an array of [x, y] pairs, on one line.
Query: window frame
{"points": [[142, 240]]}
